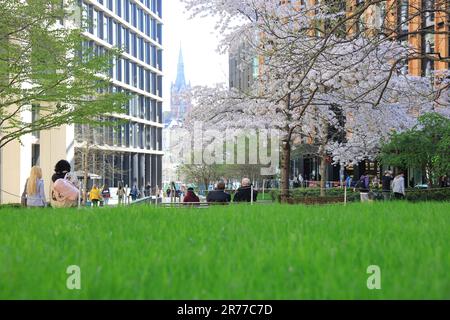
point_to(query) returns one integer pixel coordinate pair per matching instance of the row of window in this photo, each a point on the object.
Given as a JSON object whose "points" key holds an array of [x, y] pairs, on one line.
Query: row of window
{"points": [[123, 8], [127, 135], [137, 17], [144, 108], [113, 32], [137, 76], [130, 72]]}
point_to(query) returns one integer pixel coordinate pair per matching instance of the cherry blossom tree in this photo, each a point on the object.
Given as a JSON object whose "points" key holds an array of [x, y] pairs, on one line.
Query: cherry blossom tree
{"points": [[314, 60]]}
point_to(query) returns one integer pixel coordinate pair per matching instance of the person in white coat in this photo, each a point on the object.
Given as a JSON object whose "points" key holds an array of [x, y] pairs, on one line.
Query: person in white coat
{"points": [[398, 186]]}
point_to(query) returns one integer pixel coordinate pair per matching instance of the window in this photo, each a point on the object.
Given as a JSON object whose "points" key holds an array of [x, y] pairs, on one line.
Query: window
{"points": [[147, 25], [133, 44], [133, 74], [110, 31], [141, 78], [141, 49], [147, 80], [119, 70], [35, 117], [118, 35], [404, 15], [127, 40], [147, 53], [127, 71], [429, 14], [127, 10], [428, 64], [119, 7], [35, 154]]}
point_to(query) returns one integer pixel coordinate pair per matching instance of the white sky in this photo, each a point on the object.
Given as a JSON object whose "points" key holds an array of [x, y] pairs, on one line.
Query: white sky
{"points": [[203, 64]]}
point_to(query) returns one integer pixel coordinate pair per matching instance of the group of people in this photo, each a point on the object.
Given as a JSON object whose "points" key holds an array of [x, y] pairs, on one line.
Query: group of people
{"points": [[64, 189], [390, 185], [99, 195], [220, 196]]}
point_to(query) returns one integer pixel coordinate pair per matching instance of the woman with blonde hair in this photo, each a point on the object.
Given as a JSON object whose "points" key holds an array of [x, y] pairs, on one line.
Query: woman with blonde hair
{"points": [[34, 189]]}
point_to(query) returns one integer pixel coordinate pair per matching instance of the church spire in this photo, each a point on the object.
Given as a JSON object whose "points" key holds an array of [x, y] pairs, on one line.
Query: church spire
{"points": [[180, 83]]}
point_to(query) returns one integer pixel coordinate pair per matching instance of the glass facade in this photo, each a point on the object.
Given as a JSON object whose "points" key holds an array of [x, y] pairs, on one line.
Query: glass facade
{"points": [[135, 27]]}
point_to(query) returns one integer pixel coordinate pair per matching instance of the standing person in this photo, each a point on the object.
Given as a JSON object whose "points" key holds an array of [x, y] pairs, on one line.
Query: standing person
{"points": [[95, 195], [349, 181], [106, 194], [301, 180], [134, 193], [148, 190], [191, 197], [34, 189], [398, 186], [218, 195], [364, 187], [65, 189], [386, 185], [243, 194], [121, 193]]}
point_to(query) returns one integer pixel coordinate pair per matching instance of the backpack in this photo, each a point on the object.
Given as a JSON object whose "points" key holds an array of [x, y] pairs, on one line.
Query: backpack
{"points": [[65, 190]]}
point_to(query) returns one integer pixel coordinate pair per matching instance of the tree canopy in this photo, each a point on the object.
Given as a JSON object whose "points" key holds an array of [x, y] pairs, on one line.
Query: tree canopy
{"points": [[47, 65], [425, 146]]}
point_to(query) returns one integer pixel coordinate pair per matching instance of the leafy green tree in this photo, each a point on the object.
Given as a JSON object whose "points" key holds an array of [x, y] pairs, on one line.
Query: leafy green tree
{"points": [[45, 63], [425, 146]]}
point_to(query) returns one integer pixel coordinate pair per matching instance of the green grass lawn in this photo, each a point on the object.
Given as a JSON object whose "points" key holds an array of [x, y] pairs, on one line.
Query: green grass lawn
{"points": [[233, 252]]}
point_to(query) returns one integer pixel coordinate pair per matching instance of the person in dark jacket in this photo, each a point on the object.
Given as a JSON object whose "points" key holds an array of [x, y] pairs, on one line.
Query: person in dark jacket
{"points": [[191, 197], [364, 187], [244, 193], [219, 195], [148, 190], [386, 185]]}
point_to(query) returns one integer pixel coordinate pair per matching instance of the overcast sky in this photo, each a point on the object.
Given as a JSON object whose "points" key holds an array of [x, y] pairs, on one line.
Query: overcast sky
{"points": [[198, 38]]}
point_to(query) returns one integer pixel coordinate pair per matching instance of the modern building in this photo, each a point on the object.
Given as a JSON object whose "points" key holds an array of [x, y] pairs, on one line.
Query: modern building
{"points": [[129, 152], [132, 152]]}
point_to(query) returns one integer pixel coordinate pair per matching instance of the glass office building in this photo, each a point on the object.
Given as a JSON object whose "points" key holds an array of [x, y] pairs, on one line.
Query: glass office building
{"points": [[129, 152]]}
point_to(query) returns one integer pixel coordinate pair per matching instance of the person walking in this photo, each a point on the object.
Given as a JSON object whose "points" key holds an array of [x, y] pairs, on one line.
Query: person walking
{"points": [[349, 181], [364, 187], [106, 194], [34, 194], [191, 197], [386, 184], [218, 195], [121, 193], [398, 186], [95, 195], [244, 193], [134, 193], [148, 190]]}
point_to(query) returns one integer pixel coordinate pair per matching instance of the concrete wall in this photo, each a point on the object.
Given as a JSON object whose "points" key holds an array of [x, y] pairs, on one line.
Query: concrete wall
{"points": [[55, 144]]}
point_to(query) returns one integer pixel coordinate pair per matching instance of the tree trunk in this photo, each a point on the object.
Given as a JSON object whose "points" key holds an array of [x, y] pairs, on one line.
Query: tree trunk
{"points": [[285, 170], [323, 173], [85, 172], [323, 157]]}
